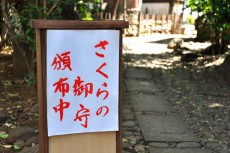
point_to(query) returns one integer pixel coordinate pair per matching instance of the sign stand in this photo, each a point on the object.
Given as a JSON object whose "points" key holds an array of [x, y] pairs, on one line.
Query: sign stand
{"points": [[53, 140]]}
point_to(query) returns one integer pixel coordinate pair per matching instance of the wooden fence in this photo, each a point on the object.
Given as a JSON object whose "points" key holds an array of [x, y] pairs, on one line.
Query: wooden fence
{"points": [[147, 23], [154, 23]]}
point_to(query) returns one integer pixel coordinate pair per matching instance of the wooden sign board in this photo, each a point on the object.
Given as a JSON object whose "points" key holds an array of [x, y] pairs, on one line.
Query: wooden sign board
{"points": [[79, 85]]}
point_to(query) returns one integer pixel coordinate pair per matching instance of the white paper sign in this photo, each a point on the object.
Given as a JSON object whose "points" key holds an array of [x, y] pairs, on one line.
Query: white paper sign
{"points": [[82, 81]]}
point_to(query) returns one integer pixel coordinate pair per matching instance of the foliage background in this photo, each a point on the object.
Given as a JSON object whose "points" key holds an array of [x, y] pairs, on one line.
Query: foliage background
{"points": [[216, 15]]}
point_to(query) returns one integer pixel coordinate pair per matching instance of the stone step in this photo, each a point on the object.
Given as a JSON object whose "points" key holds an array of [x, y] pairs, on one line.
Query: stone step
{"points": [[138, 73], [150, 103], [175, 150], [165, 128], [141, 86]]}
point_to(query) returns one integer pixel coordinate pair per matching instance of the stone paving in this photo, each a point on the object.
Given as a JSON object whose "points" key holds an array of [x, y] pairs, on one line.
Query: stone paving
{"points": [[150, 125]]}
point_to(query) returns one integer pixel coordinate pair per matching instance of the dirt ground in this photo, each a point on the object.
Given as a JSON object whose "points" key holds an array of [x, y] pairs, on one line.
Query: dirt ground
{"points": [[18, 104], [196, 89]]}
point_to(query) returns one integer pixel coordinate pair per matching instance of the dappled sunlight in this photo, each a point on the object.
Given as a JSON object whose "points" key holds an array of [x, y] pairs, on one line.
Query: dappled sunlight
{"points": [[137, 48], [215, 105], [216, 62], [151, 52], [196, 45], [189, 78], [134, 45], [146, 51], [152, 60], [6, 51]]}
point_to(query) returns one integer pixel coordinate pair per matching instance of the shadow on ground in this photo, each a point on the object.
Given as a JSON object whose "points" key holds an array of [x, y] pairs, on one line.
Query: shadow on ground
{"points": [[166, 41], [195, 90]]}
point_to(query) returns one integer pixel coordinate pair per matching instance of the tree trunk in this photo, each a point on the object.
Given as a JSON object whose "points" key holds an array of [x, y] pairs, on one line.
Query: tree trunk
{"points": [[112, 8], [171, 6], [19, 67], [224, 70], [3, 32], [115, 10], [68, 11], [21, 64]]}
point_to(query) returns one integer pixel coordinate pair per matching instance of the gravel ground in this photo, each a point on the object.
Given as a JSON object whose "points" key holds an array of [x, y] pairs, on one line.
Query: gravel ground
{"points": [[195, 89]]}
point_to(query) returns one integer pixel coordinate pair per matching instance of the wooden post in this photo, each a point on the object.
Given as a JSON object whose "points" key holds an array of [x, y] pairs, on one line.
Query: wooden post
{"points": [[125, 9], [139, 24], [175, 18], [110, 16], [106, 14], [92, 142], [101, 13]]}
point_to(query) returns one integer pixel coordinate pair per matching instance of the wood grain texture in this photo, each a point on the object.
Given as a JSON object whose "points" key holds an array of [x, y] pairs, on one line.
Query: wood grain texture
{"points": [[103, 142], [41, 83], [73, 24], [119, 133], [44, 76]]}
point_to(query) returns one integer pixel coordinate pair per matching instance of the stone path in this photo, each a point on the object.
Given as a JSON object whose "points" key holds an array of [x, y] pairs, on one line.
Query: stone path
{"points": [[150, 125]]}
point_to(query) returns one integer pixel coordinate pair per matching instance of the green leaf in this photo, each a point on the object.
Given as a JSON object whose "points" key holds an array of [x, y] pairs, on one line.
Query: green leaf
{"points": [[12, 94], [199, 108], [133, 142], [7, 146], [2, 100], [16, 146], [4, 136]]}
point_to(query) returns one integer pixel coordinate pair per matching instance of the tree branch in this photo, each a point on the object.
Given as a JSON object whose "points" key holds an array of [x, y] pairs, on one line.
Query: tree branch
{"points": [[12, 35], [115, 10], [44, 5], [53, 8]]}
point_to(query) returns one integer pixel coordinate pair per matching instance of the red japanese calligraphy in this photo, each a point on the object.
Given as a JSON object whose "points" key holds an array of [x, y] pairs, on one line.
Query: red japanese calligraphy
{"points": [[61, 86], [101, 72], [62, 61], [100, 110], [83, 113], [99, 91], [102, 44], [79, 87], [61, 107], [100, 55]]}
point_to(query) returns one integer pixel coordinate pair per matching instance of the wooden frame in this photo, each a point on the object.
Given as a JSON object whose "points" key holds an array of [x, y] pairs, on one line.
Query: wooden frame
{"points": [[71, 24], [156, 1], [41, 27], [162, 1]]}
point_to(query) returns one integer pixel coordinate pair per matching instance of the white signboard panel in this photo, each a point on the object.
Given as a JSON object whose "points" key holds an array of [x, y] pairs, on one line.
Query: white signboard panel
{"points": [[82, 81]]}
